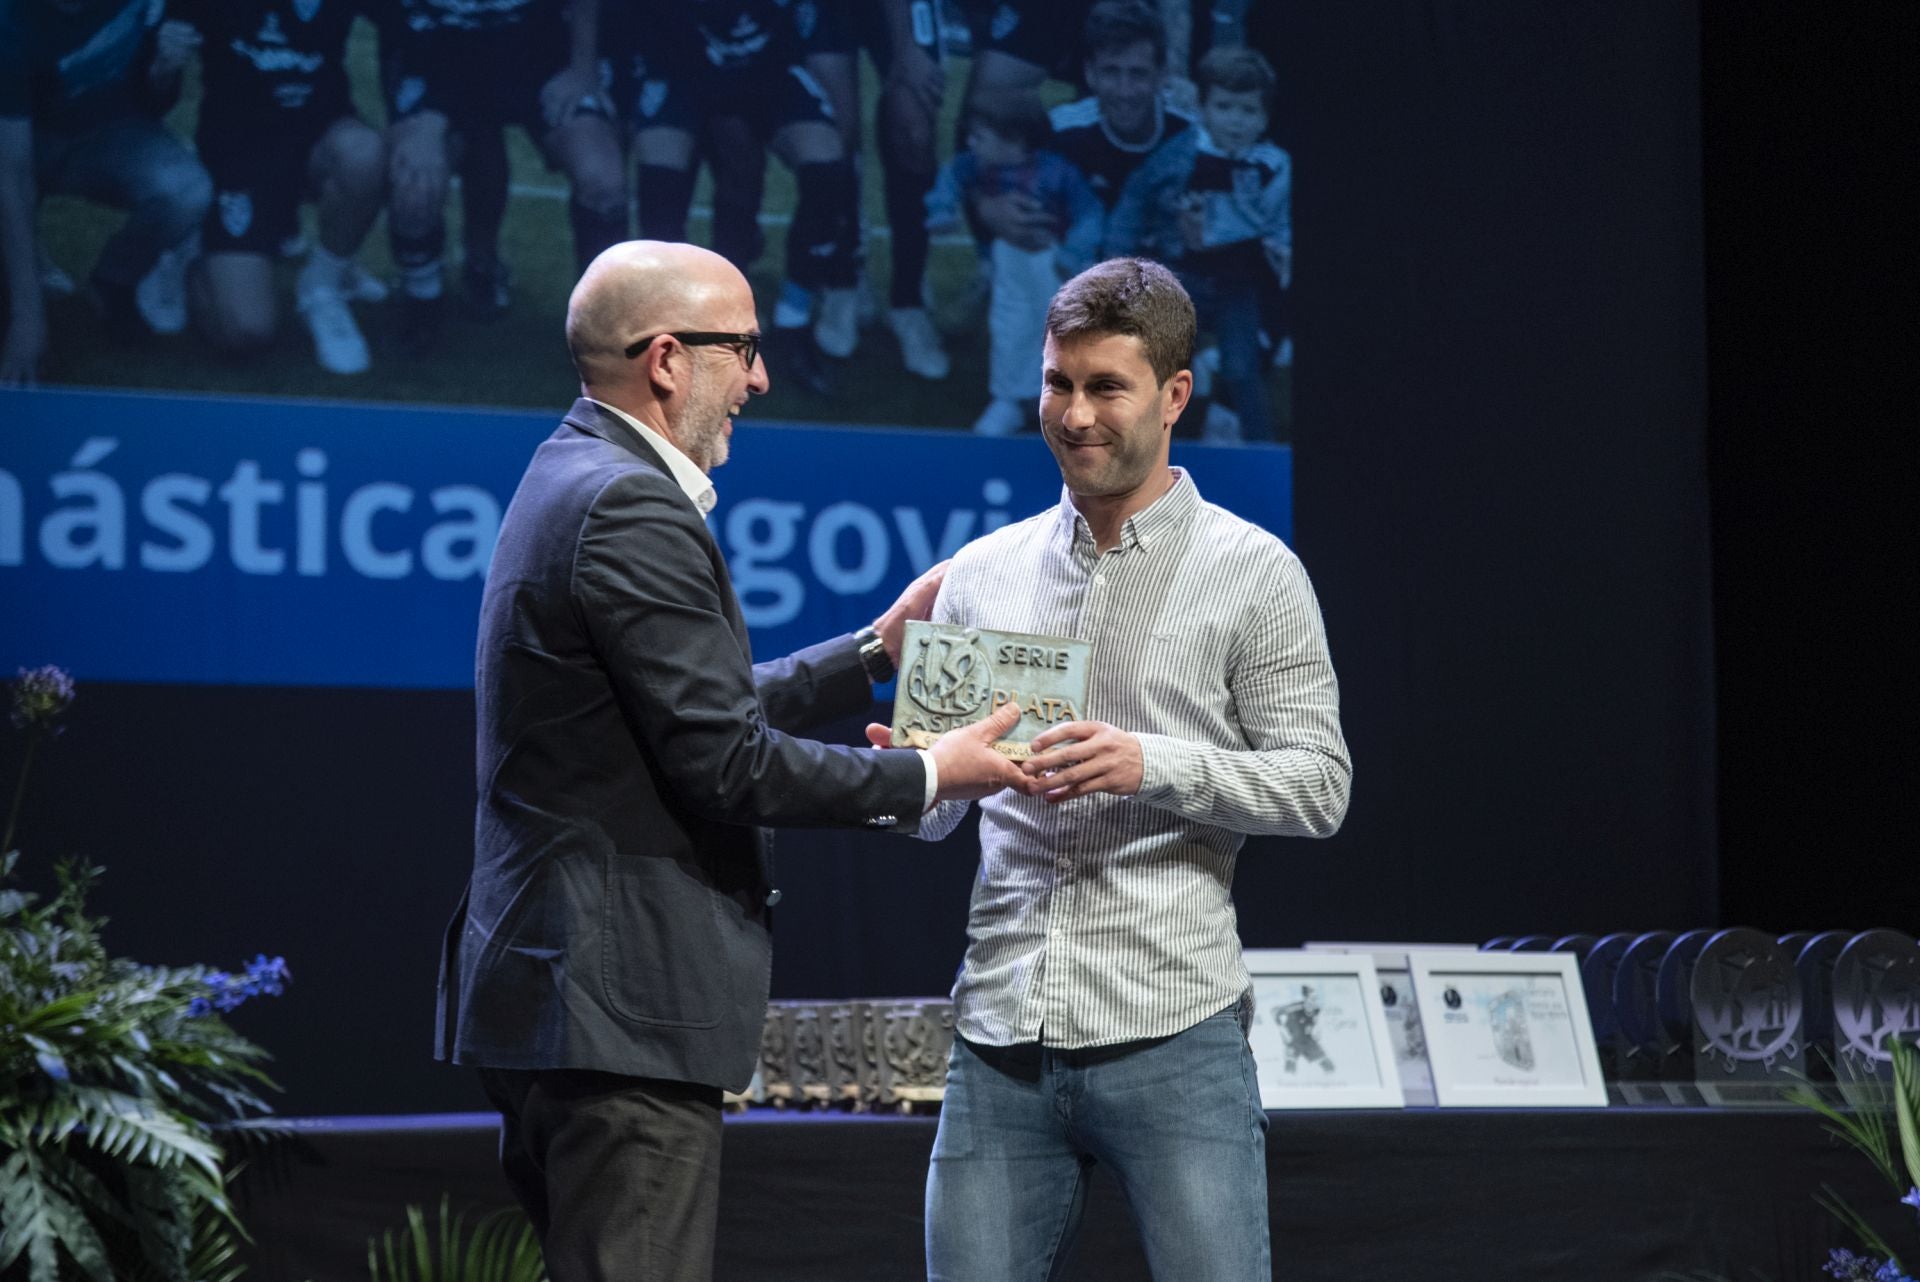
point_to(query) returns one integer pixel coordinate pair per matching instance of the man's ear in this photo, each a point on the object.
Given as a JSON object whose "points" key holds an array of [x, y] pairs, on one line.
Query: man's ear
{"points": [[1179, 391], [664, 374]]}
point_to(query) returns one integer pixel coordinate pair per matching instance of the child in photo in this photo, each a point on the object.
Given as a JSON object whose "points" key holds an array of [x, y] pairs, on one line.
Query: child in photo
{"points": [[1006, 155], [1215, 203]]}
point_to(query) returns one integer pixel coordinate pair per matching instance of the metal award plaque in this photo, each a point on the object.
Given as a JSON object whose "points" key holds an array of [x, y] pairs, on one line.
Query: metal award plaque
{"points": [[1673, 984], [915, 1040], [1749, 1047], [952, 676], [1652, 1060], [1598, 966], [1814, 958], [1876, 998]]}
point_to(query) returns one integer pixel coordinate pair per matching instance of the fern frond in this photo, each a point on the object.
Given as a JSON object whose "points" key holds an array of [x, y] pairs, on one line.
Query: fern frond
{"points": [[125, 1127], [164, 1221], [77, 1235], [28, 1227]]}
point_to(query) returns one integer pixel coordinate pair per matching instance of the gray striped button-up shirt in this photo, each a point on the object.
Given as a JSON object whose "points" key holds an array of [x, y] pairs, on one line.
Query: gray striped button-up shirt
{"points": [[1106, 919]]}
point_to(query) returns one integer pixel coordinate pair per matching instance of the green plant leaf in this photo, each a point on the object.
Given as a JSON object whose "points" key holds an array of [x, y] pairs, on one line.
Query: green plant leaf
{"points": [[78, 1237], [499, 1247], [417, 1235], [215, 1255], [452, 1238], [165, 1221], [1906, 1104], [1837, 1206], [1865, 1128], [29, 1226], [123, 1126], [89, 1189]]}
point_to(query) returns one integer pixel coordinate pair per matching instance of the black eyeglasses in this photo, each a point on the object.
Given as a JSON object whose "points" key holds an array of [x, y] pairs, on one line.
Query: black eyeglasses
{"points": [[748, 345]]}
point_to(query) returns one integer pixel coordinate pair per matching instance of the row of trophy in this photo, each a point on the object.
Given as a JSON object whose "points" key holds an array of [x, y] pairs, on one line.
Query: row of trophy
{"points": [[1737, 1015], [855, 1056], [1733, 1016]]}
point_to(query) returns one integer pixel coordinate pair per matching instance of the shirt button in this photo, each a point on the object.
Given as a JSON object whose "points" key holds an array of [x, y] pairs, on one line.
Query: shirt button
{"points": [[773, 896]]}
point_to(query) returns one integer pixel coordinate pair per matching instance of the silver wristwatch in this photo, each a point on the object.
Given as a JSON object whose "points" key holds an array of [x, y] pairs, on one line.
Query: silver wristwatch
{"points": [[873, 656]]}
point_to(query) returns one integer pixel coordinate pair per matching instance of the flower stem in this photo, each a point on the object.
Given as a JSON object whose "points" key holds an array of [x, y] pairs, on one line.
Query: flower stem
{"points": [[19, 791]]}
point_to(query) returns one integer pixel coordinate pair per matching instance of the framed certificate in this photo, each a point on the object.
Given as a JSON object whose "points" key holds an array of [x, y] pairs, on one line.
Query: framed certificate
{"points": [[1400, 1006], [1507, 1030], [1318, 1035]]}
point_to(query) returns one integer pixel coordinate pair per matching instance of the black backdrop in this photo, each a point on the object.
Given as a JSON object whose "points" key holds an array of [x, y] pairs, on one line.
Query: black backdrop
{"points": [[1549, 431]]}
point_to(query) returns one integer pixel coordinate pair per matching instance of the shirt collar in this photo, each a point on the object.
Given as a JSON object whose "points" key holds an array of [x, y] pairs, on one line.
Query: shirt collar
{"points": [[1208, 147], [1151, 523], [686, 473], [1159, 132]]}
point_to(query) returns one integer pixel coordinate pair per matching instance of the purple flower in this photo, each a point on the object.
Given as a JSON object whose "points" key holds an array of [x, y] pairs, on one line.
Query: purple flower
{"points": [[265, 977], [1912, 1198], [1845, 1265], [40, 696]]}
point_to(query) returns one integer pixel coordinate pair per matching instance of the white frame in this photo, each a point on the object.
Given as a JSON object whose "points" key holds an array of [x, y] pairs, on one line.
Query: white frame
{"points": [[1416, 1073], [1381, 948], [1429, 970], [1271, 963]]}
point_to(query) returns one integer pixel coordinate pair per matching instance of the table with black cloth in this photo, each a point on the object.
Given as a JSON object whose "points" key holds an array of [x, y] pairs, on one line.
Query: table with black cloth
{"points": [[1577, 1195]]}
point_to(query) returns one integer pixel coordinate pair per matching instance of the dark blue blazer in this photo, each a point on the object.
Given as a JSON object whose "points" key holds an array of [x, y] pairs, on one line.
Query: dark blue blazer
{"points": [[630, 757]]}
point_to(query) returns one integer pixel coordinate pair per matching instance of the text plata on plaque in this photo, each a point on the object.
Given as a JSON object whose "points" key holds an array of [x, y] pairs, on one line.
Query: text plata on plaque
{"points": [[952, 676]]}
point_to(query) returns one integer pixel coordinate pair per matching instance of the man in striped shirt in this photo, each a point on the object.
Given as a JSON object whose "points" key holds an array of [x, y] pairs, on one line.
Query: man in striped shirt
{"points": [[1103, 1006]]}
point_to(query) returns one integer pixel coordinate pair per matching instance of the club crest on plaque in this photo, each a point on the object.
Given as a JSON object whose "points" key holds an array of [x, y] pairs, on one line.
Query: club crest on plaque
{"points": [[1746, 1003], [1876, 998], [950, 674], [952, 677]]}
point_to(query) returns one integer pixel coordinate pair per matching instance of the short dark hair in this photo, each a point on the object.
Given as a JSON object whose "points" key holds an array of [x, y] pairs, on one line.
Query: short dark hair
{"points": [[1113, 25], [1134, 296], [1236, 71], [1013, 115]]}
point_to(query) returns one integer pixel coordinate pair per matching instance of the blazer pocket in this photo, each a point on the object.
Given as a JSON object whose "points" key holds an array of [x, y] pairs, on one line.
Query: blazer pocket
{"points": [[661, 944]]}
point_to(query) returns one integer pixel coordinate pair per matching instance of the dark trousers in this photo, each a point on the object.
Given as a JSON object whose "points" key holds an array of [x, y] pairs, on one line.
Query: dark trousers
{"points": [[620, 1175]]}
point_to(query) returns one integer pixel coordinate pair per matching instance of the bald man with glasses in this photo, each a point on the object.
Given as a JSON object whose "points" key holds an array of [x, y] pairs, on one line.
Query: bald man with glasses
{"points": [[607, 969]]}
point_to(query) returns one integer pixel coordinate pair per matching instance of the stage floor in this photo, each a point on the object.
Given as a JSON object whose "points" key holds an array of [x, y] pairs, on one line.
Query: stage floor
{"points": [[1586, 1195]]}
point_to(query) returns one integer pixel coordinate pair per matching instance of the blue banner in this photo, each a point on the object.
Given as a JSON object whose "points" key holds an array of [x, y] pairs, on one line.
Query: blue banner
{"points": [[225, 541]]}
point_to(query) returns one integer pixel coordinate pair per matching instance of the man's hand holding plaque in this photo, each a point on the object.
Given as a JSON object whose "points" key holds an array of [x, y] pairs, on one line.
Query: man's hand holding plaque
{"points": [[952, 677], [967, 762], [968, 768], [1081, 757]]}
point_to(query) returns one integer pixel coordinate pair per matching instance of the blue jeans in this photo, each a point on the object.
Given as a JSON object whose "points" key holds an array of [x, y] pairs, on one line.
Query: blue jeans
{"points": [[1230, 311], [1177, 1120]]}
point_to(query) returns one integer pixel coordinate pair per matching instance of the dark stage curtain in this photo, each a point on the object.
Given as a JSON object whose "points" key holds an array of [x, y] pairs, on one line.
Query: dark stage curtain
{"points": [[1501, 486]]}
